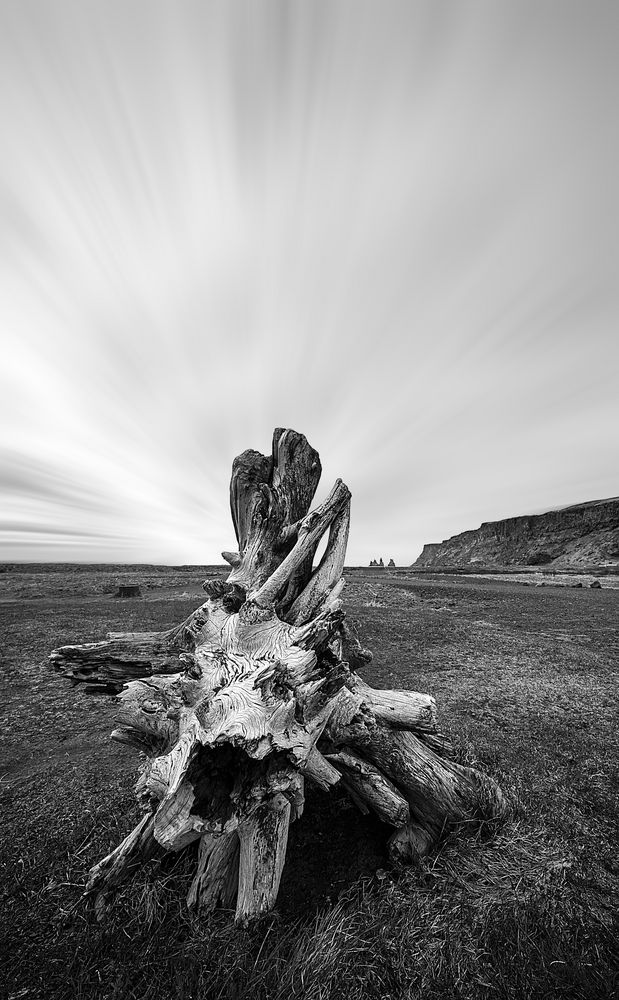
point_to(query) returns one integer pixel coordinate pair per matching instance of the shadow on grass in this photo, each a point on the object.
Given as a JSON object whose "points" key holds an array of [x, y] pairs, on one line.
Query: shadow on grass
{"points": [[484, 917]]}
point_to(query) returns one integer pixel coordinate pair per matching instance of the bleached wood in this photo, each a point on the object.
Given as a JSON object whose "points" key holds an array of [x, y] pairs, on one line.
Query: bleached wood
{"points": [[268, 497], [328, 574], [258, 690], [402, 709], [439, 791], [109, 873], [149, 712], [129, 656], [264, 838], [112, 662], [169, 770], [370, 785], [175, 827], [310, 532], [217, 876], [321, 771]]}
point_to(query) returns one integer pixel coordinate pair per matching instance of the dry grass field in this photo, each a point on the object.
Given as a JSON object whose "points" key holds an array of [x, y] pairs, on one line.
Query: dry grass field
{"points": [[526, 684]]}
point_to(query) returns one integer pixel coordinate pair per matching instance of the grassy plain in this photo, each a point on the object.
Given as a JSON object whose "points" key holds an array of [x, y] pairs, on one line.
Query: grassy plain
{"points": [[526, 684]]}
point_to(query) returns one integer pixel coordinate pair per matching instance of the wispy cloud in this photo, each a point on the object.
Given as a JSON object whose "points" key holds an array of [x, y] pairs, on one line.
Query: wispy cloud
{"points": [[391, 226]]}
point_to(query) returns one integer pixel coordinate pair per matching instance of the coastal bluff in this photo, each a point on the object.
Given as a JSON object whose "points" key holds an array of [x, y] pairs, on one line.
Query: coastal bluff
{"points": [[580, 536]]}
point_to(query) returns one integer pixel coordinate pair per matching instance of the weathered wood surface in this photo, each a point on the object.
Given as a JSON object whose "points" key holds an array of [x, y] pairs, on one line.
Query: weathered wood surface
{"points": [[257, 692], [263, 836], [216, 880]]}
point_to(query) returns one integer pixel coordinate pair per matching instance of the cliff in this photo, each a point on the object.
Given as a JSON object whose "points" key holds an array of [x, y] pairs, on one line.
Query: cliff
{"points": [[584, 535]]}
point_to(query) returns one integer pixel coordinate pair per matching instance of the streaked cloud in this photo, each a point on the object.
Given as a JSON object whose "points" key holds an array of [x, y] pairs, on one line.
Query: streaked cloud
{"points": [[392, 226]]}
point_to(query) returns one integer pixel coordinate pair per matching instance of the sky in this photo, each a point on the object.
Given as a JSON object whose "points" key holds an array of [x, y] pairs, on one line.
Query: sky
{"points": [[391, 226]]}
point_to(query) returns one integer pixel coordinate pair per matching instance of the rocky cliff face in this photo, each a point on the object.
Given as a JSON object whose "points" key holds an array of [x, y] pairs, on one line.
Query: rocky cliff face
{"points": [[580, 536]]}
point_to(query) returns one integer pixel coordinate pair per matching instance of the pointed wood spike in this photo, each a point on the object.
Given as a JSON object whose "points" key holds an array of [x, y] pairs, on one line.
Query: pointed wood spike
{"points": [[311, 531], [328, 574], [108, 874]]}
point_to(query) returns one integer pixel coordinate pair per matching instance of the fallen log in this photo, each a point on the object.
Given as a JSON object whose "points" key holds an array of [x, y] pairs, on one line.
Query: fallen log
{"points": [[257, 692]]}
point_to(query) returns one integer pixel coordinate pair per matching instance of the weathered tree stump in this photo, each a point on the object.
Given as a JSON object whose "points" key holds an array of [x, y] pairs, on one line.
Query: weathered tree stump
{"points": [[257, 692]]}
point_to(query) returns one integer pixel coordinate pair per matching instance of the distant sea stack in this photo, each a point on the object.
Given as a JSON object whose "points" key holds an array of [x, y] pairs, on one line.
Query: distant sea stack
{"points": [[586, 534]]}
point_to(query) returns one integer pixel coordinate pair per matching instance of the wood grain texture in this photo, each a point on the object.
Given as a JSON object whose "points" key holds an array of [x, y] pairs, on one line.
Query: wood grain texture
{"points": [[264, 838], [257, 693], [217, 876]]}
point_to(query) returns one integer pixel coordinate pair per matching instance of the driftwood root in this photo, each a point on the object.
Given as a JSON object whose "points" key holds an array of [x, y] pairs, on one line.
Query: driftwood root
{"points": [[257, 692]]}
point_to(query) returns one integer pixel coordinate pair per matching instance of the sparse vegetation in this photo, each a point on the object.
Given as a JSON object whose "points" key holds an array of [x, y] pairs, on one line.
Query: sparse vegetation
{"points": [[527, 677]]}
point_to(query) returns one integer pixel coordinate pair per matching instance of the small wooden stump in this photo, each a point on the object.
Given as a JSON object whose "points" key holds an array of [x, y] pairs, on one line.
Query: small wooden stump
{"points": [[257, 692]]}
